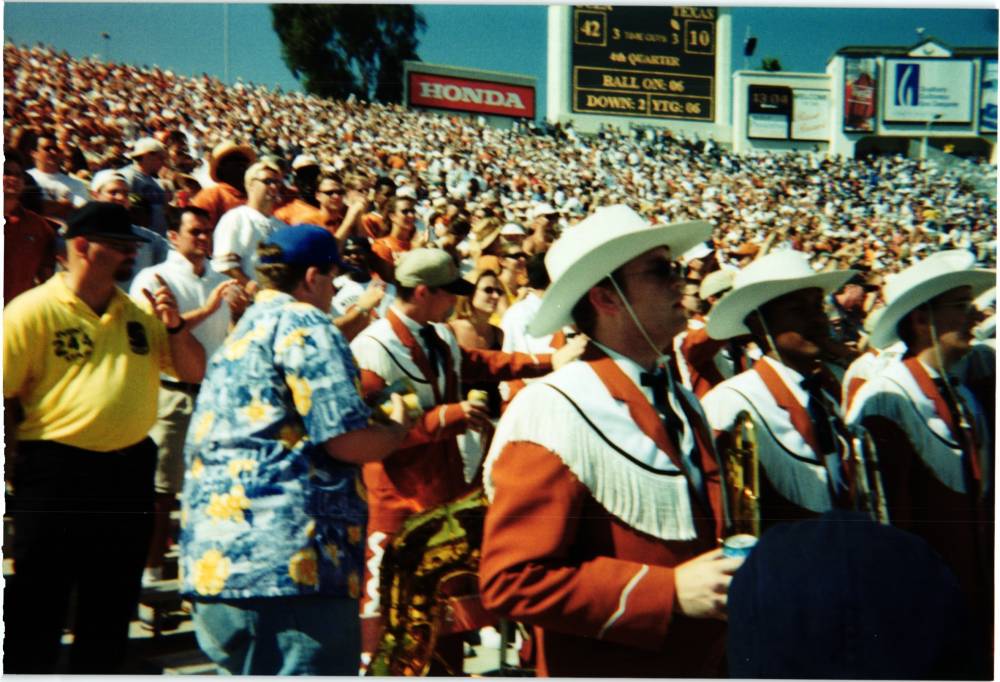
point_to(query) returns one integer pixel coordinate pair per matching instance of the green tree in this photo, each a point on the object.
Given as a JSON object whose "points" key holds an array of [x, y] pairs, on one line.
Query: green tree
{"points": [[770, 64], [340, 50]]}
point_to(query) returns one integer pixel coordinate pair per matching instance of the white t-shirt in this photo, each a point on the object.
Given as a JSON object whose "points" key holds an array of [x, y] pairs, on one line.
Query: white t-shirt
{"points": [[237, 235], [515, 327], [191, 292], [59, 186], [348, 292]]}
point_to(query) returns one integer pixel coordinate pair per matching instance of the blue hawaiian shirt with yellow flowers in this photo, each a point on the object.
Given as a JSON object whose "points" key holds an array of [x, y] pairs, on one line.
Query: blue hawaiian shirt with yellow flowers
{"points": [[265, 511]]}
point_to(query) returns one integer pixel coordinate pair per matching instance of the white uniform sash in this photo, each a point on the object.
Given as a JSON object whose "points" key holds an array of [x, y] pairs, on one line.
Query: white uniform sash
{"points": [[787, 459], [894, 394]]}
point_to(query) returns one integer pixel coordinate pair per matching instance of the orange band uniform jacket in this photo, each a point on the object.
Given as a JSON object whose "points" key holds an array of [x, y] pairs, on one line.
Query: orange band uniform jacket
{"points": [[428, 469], [589, 513]]}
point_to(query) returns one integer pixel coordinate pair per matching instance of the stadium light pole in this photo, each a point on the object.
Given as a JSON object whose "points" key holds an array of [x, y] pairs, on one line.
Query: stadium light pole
{"points": [[927, 134]]}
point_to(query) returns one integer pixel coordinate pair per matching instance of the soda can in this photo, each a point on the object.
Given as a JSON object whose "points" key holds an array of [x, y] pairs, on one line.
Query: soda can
{"points": [[738, 545], [478, 397]]}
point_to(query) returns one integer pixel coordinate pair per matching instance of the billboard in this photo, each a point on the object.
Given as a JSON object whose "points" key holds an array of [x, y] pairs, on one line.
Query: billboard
{"points": [[810, 115], [860, 87], [472, 95], [988, 97], [922, 90], [643, 61], [769, 112]]}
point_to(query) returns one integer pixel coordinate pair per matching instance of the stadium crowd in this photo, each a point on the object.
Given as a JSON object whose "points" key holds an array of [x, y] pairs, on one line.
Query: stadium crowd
{"points": [[204, 188]]}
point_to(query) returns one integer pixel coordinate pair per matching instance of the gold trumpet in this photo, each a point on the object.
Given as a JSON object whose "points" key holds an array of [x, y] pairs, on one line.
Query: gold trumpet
{"points": [[869, 495], [742, 476]]}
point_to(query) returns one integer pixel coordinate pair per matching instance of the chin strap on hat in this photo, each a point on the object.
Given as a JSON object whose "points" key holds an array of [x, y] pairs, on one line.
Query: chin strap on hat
{"points": [[963, 422], [661, 357], [767, 333]]}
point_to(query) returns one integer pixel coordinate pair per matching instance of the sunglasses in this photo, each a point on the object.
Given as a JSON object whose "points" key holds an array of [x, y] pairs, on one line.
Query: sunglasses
{"points": [[964, 307], [491, 290], [665, 270]]}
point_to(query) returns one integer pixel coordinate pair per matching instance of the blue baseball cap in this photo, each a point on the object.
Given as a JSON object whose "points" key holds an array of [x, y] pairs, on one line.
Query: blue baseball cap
{"points": [[305, 245]]}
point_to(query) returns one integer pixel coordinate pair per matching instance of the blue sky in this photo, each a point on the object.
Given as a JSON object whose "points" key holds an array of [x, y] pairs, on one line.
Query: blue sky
{"points": [[188, 37]]}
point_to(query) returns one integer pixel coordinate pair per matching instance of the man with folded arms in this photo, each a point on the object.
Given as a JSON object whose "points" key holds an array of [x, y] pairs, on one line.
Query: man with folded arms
{"points": [[605, 507]]}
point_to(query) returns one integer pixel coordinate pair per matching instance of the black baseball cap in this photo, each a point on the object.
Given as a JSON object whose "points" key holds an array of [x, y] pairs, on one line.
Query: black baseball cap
{"points": [[103, 220]]}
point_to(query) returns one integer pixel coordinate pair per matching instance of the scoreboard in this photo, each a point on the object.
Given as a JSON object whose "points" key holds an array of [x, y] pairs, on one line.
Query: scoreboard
{"points": [[643, 61]]}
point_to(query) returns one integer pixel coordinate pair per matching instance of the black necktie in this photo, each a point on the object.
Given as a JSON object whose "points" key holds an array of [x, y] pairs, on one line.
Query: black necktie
{"points": [[432, 341], [821, 419], [657, 381]]}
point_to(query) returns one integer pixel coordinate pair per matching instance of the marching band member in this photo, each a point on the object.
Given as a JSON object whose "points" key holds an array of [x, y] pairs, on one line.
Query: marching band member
{"points": [[935, 447], [603, 484], [790, 396], [412, 345]]}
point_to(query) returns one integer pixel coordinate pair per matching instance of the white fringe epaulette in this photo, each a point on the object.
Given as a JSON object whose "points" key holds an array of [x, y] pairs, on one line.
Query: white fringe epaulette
{"points": [[651, 497], [895, 395], [785, 457]]}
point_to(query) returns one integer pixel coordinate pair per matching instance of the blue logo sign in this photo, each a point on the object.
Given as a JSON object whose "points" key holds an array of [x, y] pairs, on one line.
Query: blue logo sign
{"points": [[907, 85], [989, 117]]}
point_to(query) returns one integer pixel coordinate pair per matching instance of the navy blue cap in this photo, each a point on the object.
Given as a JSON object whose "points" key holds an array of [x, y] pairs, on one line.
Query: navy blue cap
{"points": [[842, 597], [103, 220], [305, 245]]}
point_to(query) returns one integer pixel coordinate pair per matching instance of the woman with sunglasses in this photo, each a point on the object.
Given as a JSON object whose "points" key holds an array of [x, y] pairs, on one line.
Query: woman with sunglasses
{"points": [[471, 322]]}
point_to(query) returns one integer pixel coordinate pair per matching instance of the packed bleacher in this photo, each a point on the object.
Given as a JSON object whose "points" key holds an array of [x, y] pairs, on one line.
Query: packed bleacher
{"points": [[201, 209], [881, 211]]}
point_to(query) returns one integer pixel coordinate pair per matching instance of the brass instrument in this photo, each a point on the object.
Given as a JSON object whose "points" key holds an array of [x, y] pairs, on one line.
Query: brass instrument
{"points": [[742, 477], [869, 495], [429, 585]]}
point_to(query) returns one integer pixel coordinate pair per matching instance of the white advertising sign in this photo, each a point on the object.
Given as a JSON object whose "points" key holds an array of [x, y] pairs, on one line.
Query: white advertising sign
{"points": [[988, 98], [767, 126], [921, 90], [810, 115]]}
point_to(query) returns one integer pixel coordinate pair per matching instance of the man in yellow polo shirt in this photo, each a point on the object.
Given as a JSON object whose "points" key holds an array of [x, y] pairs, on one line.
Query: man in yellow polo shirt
{"points": [[81, 370]]}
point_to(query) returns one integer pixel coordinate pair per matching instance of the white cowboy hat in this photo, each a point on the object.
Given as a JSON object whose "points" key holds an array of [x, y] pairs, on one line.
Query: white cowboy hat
{"points": [[776, 274], [922, 281], [594, 248], [716, 282]]}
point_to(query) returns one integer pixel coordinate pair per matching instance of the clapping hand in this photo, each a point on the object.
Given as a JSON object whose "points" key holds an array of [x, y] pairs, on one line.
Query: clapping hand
{"points": [[164, 304]]}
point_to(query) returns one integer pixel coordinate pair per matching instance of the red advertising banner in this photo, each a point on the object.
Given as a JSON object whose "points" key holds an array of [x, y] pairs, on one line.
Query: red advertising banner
{"points": [[481, 97], [860, 86]]}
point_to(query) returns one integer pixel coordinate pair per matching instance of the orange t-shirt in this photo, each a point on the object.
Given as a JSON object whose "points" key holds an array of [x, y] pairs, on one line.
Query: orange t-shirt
{"points": [[299, 212], [388, 248], [218, 199]]}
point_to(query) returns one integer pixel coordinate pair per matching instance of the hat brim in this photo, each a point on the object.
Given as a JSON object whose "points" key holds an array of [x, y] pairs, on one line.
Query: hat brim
{"points": [[884, 330], [565, 291], [460, 287], [244, 150], [725, 320], [137, 154]]}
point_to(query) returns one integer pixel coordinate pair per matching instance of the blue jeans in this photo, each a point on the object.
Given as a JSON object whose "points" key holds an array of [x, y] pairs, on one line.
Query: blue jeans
{"points": [[309, 635]]}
